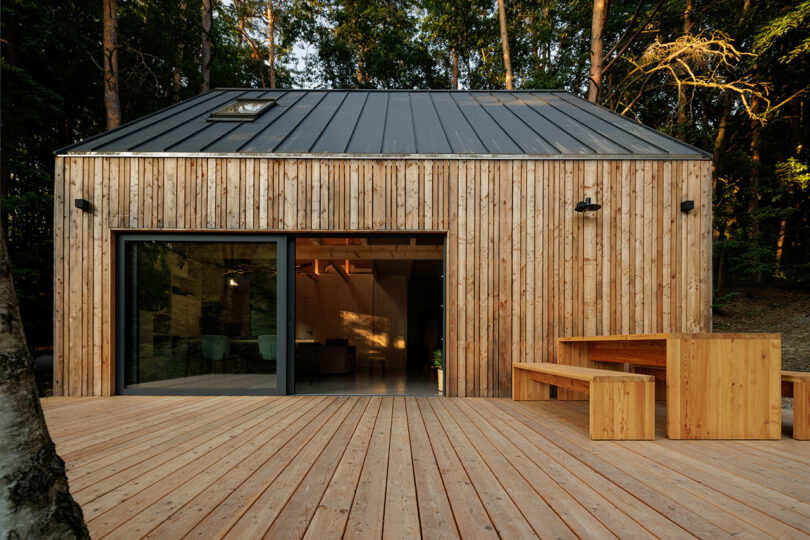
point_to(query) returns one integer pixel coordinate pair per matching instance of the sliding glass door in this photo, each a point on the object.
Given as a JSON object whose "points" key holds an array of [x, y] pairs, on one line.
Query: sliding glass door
{"points": [[202, 314]]}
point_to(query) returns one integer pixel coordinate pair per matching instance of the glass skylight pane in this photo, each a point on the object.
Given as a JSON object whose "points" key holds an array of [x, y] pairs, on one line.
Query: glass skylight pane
{"points": [[242, 109]]}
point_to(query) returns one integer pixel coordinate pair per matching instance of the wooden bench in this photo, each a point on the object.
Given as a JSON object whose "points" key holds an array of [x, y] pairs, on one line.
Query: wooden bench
{"points": [[796, 384], [622, 405]]}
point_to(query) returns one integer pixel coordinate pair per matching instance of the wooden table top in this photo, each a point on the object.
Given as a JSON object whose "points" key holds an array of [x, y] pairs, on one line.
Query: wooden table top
{"points": [[667, 335]]}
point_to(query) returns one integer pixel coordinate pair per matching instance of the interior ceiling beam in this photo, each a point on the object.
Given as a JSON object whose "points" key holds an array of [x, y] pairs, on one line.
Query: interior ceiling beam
{"points": [[370, 253], [340, 270]]}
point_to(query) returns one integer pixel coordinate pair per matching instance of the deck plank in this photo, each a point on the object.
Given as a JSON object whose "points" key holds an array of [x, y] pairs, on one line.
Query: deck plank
{"points": [[401, 516], [332, 466], [216, 503], [435, 515], [332, 513], [296, 513], [590, 514], [725, 511], [586, 451], [471, 516], [517, 513], [366, 514], [263, 512]]}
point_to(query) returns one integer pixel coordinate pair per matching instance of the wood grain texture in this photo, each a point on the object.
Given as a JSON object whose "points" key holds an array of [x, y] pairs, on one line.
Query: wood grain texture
{"points": [[718, 386], [522, 268], [622, 405], [195, 467]]}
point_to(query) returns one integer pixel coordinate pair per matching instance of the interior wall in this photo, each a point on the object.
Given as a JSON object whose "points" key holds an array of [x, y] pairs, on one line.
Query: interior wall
{"points": [[371, 313]]}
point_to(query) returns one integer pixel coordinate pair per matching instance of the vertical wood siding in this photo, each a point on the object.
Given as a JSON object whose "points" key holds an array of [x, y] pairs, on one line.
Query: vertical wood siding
{"points": [[522, 267]]}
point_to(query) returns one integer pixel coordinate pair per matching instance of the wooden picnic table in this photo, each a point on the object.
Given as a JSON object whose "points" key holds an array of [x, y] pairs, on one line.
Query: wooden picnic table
{"points": [[718, 386]]}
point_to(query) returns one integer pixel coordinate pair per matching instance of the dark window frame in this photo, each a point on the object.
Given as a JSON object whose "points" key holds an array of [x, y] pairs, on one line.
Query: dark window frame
{"points": [[283, 287]]}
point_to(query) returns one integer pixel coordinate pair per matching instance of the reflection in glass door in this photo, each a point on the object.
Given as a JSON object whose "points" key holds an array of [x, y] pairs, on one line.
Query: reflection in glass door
{"points": [[201, 315]]}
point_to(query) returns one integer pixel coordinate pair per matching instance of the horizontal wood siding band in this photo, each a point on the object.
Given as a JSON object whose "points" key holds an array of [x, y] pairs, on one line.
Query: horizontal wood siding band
{"points": [[522, 267]]}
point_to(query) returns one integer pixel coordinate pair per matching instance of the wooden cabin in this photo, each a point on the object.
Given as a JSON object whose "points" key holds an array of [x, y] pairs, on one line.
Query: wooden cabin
{"points": [[251, 241]]}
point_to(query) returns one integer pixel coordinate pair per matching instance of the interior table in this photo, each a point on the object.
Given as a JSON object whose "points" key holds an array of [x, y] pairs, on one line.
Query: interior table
{"points": [[718, 386]]}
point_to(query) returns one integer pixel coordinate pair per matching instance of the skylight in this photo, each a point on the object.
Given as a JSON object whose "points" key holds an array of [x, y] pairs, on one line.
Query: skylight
{"points": [[243, 110]]}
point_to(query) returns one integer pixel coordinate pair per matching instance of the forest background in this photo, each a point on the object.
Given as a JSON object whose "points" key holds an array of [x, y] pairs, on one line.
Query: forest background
{"points": [[728, 76]]}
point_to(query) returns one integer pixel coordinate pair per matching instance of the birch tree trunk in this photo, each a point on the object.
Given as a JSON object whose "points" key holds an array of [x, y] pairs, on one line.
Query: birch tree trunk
{"points": [[597, 49], [34, 498], [507, 61], [112, 103], [205, 56]]}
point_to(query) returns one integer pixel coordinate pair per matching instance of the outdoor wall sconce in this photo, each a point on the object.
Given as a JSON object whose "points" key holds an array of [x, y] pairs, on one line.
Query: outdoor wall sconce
{"points": [[83, 205], [687, 206], [587, 206]]}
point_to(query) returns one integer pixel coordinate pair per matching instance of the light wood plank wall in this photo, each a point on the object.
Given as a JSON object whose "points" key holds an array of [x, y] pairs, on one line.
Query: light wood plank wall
{"points": [[522, 267]]}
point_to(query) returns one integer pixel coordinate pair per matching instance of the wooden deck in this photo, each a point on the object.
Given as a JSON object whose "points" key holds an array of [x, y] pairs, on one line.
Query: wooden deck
{"points": [[321, 467]]}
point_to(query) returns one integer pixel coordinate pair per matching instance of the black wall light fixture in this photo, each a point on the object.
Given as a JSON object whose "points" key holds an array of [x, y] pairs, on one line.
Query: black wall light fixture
{"points": [[83, 205], [587, 206], [687, 206]]}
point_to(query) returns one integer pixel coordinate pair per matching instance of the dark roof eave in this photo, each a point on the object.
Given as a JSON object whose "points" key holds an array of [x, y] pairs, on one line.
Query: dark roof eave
{"points": [[701, 156]]}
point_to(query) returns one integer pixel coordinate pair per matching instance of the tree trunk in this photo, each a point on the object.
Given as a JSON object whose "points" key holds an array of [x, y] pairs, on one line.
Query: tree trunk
{"points": [[112, 102], [34, 498], [755, 149], [507, 61], [205, 59], [177, 72], [688, 24], [455, 68], [719, 141], [597, 49], [271, 40]]}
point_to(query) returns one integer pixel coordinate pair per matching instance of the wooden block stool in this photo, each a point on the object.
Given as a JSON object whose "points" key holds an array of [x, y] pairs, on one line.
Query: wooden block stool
{"points": [[796, 384]]}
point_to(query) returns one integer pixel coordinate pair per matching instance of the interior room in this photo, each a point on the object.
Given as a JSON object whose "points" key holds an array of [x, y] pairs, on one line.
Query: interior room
{"points": [[368, 315]]}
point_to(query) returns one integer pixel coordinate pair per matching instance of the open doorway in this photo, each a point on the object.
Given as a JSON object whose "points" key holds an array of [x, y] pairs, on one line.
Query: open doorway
{"points": [[369, 315]]}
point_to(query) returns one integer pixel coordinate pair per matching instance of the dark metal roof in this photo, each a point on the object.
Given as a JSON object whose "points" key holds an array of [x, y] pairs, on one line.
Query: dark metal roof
{"points": [[526, 123]]}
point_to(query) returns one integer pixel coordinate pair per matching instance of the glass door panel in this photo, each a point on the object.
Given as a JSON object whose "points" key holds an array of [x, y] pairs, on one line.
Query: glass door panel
{"points": [[202, 315]]}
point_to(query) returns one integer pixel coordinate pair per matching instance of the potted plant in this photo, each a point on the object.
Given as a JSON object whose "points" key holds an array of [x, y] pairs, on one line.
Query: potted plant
{"points": [[438, 365]]}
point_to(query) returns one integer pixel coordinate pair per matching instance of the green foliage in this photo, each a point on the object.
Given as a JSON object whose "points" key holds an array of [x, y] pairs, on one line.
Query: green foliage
{"points": [[793, 23], [438, 359], [720, 301], [371, 44], [52, 93]]}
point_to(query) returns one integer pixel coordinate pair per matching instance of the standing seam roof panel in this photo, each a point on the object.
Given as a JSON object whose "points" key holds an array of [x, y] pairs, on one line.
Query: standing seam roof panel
{"points": [[177, 132], [214, 132], [518, 131], [289, 120], [368, 133], [537, 124], [304, 137], [605, 129], [245, 131], [573, 128], [559, 138], [496, 139], [460, 134], [398, 137], [145, 135], [338, 132], [666, 143], [91, 144], [430, 136]]}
